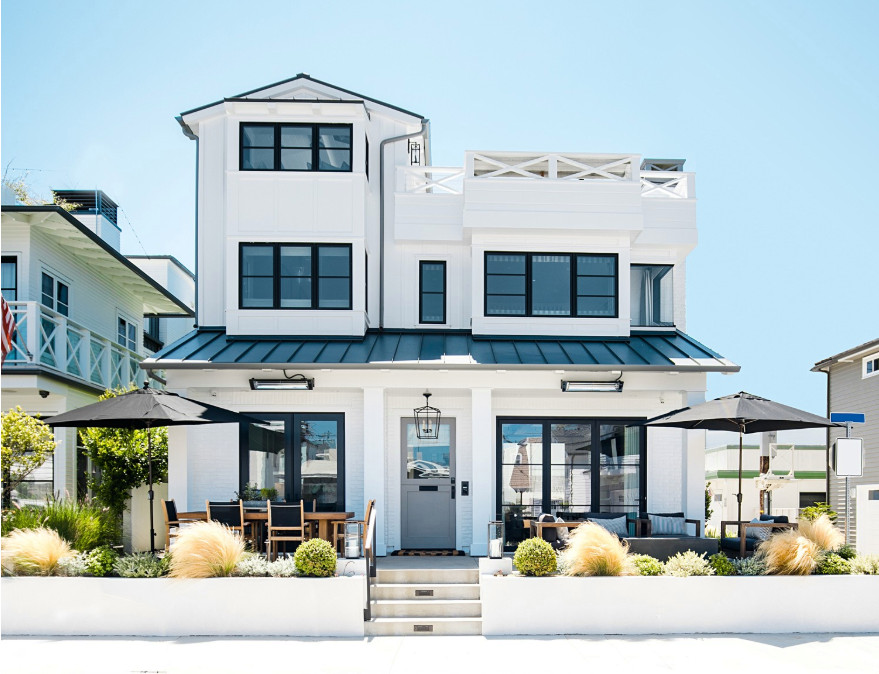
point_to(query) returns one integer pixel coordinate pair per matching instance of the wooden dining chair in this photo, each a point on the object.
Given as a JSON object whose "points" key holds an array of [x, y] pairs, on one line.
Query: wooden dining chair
{"points": [[286, 522], [231, 514], [339, 529], [172, 524]]}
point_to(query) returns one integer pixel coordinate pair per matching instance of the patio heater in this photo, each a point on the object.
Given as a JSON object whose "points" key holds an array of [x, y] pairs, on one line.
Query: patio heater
{"points": [[427, 420], [496, 539]]}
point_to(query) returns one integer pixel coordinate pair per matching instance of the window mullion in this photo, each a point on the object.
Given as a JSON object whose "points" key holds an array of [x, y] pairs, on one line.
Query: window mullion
{"points": [[315, 277], [276, 276], [315, 151]]}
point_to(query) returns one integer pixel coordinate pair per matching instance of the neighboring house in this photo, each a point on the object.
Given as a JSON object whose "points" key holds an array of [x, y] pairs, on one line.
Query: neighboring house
{"points": [[797, 480], [79, 308], [540, 297], [853, 386], [170, 273]]}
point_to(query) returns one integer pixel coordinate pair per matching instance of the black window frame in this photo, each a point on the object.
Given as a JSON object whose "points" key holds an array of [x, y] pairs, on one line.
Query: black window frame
{"points": [[293, 453], [574, 294], [315, 146], [546, 464], [276, 275], [13, 260], [422, 292]]}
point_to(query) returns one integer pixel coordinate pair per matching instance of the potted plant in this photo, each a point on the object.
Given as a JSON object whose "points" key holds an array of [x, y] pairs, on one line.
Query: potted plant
{"points": [[251, 496]]}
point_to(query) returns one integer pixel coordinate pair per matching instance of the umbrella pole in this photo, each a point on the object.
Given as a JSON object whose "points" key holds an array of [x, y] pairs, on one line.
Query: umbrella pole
{"points": [[739, 495], [150, 493]]}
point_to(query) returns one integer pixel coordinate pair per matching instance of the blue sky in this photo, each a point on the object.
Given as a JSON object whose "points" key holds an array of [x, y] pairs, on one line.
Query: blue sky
{"points": [[773, 104]]}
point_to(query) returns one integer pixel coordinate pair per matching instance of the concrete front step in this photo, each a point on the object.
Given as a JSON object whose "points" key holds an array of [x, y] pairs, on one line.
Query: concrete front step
{"points": [[423, 626], [425, 591], [432, 608], [427, 576]]}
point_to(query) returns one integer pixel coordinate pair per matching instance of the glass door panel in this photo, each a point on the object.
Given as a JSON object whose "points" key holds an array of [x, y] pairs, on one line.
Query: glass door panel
{"points": [[266, 457], [521, 477], [319, 460], [571, 466], [620, 468], [428, 459]]}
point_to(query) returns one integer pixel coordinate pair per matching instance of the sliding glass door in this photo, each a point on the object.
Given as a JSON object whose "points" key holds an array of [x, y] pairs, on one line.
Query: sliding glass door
{"points": [[300, 456], [568, 466]]}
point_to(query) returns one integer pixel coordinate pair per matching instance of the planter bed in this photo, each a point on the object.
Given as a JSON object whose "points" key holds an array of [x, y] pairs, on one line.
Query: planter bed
{"points": [[668, 605], [174, 607]]}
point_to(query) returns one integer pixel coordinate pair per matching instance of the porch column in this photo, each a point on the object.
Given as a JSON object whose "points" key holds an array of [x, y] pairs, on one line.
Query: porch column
{"points": [[482, 451], [178, 470], [693, 469], [374, 477]]}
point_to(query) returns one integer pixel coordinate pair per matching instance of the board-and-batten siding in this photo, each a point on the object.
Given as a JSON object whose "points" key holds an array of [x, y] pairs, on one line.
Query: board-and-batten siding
{"points": [[851, 392]]}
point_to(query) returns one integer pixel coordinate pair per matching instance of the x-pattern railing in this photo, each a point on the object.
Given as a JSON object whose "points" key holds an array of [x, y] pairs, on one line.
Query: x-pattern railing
{"points": [[552, 166], [671, 184], [432, 180]]}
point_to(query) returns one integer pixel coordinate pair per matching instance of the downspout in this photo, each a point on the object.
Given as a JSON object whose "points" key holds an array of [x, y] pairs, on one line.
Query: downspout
{"points": [[425, 132], [827, 442]]}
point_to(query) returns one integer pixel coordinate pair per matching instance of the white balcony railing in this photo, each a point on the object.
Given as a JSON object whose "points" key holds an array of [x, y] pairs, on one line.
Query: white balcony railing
{"points": [[430, 180], [553, 166], [46, 339]]}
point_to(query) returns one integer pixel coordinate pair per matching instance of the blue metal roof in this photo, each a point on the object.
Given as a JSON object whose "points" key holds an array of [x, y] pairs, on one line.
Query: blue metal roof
{"points": [[643, 350]]}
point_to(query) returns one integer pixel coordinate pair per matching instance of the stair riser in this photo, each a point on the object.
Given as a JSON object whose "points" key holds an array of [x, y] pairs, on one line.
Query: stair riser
{"points": [[428, 576], [432, 609], [385, 592], [408, 628]]}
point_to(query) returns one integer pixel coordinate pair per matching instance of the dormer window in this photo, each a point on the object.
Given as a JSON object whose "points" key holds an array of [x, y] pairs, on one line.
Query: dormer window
{"points": [[295, 147]]}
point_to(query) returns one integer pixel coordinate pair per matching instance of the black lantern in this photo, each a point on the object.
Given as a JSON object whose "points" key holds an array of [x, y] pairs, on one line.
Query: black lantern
{"points": [[427, 420]]}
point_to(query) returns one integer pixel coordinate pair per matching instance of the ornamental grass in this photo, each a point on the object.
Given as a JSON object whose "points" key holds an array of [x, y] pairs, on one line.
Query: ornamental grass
{"points": [[822, 532], [594, 551], [206, 550], [33, 552], [789, 553]]}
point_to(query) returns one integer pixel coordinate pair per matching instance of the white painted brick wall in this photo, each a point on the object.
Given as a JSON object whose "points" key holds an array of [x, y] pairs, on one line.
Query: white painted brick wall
{"points": [[665, 455]]}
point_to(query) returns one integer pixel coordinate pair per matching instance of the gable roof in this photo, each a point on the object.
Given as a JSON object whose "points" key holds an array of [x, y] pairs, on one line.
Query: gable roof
{"points": [[304, 77], [862, 349], [78, 238], [644, 351]]}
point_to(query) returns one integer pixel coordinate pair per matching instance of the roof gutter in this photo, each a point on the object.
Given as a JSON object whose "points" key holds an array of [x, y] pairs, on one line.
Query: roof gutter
{"points": [[425, 132]]}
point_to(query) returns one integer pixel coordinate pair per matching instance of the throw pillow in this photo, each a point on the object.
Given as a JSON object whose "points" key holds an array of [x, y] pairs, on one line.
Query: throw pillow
{"points": [[550, 534], [615, 525], [760, 533], [667, 526], [562, 532]]}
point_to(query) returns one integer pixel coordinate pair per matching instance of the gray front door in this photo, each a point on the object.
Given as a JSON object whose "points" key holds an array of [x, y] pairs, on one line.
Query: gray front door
{"points": [[428, 488]]}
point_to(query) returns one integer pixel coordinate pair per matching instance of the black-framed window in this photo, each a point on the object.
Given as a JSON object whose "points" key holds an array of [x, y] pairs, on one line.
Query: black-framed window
{"points": [[10, 278], [295, 276], [551, 284], [570, 466], [432, 292], [295, 147], [55, 294], [300, 456], [652, 295], [366, 155]]}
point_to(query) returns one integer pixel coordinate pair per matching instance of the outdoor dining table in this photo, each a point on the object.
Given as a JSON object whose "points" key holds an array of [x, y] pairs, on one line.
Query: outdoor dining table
{"points": [[259, 517]]}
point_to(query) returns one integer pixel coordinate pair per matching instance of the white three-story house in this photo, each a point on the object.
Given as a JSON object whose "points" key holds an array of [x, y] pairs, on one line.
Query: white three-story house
{"points": [[539, 297]]}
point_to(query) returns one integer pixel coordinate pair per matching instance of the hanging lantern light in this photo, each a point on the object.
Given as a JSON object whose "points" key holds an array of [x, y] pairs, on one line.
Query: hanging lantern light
{"points": [[427, 420]]}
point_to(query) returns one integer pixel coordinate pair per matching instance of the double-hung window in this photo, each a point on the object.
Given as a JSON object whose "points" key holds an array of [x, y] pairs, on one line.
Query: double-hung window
{"points": [[55, 294], [551, 284], [295, 147], [432, 298], [126, 334], [295, 276], [10, 278]]}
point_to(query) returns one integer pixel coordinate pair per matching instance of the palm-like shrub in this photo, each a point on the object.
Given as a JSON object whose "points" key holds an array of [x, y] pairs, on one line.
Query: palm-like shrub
{"points": [[316, 557], [686, 564], [206, 550], [594, 551], [33, 552], [535, 557]]}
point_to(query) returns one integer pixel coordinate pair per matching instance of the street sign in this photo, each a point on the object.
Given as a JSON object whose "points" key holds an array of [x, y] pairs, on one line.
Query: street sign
{"points": [[848, 417], [848, 459]]}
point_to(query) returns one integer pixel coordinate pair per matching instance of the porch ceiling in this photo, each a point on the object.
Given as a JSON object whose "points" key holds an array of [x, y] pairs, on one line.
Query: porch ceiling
{"points": [[670, 351]]}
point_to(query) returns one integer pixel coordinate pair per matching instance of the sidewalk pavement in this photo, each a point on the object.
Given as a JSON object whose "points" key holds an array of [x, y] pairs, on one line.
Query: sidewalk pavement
{"points": [[738, 653]]}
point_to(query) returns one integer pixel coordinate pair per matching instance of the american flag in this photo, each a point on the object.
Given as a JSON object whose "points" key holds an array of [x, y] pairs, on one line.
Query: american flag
{"points": [[8, 327]]}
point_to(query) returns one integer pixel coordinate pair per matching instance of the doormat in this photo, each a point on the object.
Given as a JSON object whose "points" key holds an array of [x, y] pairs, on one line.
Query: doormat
{"points": [[427, 553]]}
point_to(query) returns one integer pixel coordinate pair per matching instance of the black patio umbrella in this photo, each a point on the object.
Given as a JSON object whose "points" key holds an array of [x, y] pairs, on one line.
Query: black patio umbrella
{"points": [[742, 412], [147, 408]]}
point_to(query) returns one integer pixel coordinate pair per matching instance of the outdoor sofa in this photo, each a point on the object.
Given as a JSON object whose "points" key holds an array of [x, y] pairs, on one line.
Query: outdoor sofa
{"points": [[746, 542]]}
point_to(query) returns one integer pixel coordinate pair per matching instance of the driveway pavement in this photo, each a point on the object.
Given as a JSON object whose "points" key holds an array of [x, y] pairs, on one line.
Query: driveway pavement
{"points": [[742, 654]]}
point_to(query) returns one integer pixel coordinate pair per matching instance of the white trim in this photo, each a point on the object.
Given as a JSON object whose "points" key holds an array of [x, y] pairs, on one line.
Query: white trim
{"points": [[871, 361]]}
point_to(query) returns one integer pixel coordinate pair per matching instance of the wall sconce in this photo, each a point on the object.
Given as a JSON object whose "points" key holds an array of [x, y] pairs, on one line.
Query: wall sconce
{"points": [[414, 153], [427, 420], [592, 386], [296, 382]]}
